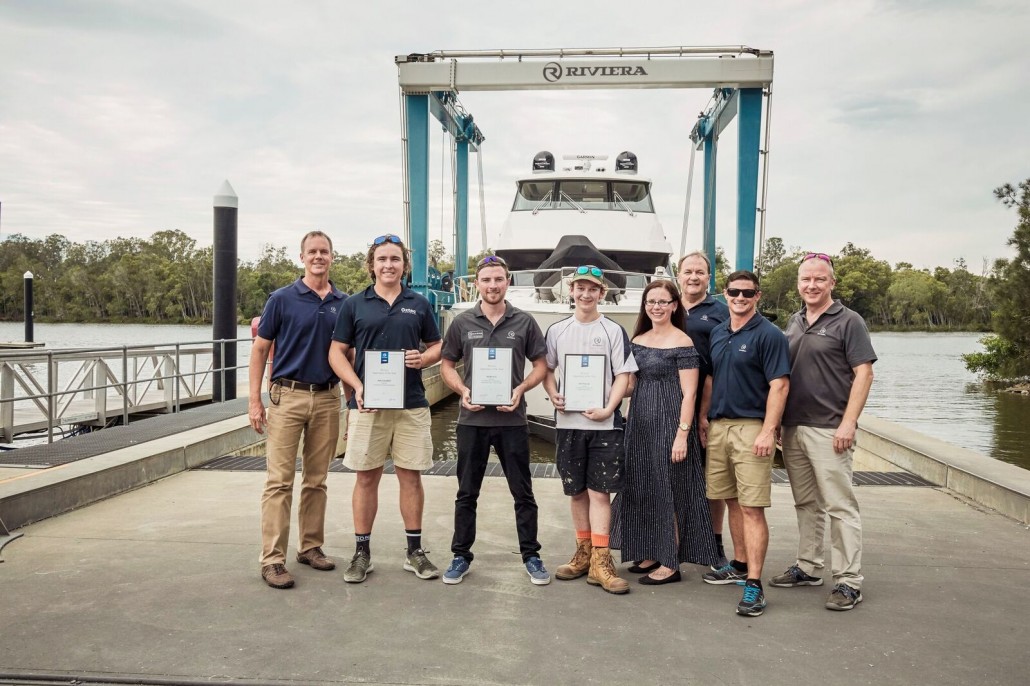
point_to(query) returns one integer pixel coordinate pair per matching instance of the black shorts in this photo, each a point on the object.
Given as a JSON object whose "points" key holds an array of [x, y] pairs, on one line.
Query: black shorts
{"points": [[589, 459]]}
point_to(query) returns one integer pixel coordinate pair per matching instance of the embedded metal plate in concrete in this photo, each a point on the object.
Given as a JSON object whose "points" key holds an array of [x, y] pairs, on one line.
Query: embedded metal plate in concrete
{"points": [[117, 437], [541, 470]]}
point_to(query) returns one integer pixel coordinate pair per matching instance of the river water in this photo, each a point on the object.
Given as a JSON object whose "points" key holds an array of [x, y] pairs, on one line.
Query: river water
{"points": [[920, 383]]}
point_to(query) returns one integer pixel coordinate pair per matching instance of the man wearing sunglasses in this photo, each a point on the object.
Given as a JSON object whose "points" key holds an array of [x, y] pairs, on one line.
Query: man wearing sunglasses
{"points": [[750, 371], [494, 324], [589, 449], [831, 358], [387, 316], [305, 401]]}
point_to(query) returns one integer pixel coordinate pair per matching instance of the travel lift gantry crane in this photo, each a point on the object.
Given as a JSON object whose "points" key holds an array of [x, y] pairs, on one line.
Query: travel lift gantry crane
{"points": [[430, 83]]}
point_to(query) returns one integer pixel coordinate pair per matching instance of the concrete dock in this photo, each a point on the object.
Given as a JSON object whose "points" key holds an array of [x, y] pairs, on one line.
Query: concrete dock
{"points": [[161, 585]]}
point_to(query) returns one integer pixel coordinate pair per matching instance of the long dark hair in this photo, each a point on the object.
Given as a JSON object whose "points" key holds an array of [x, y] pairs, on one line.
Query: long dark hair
{"points": [[644, 322]]}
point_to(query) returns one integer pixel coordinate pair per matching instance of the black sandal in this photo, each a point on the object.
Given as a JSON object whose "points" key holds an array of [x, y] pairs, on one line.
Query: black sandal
{"points": [[637, 569]]}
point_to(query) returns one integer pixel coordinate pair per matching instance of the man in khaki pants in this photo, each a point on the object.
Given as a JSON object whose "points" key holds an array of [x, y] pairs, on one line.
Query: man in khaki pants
{"points": [[831, 360], [305, 400]]}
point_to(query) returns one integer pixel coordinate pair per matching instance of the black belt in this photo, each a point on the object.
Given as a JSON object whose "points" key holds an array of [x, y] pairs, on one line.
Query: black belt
{"points": [[301, 386]]}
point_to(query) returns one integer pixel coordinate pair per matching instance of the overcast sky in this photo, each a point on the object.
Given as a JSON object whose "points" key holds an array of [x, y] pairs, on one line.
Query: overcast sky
{"points": [[892, 120]]}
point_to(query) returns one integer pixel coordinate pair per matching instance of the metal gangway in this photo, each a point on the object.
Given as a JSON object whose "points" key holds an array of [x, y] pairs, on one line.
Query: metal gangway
{"points": [[66, 391]]}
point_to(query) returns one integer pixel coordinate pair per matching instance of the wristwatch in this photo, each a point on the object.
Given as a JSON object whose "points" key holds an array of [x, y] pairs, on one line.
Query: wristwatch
{"points": [[684, 426]]}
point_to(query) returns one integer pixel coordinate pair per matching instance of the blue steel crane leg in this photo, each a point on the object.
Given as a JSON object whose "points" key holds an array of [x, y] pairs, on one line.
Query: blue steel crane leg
{"points": [[711, 148], [749, 137], [417, 110], [461, 217]]}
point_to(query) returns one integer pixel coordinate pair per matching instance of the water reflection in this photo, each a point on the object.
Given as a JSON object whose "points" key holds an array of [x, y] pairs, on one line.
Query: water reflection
{"points": [[445, 445]]}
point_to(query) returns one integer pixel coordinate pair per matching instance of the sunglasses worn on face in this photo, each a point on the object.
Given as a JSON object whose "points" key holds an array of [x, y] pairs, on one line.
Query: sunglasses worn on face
{"points": [[590, 269], [386, 237], [737, 292], [658, 303], [818, 256]]}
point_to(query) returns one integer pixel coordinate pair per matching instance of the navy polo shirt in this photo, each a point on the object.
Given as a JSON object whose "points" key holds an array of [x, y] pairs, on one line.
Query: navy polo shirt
{"points": [[699, 321], [301, 325], [368, 322], [744, 362]]}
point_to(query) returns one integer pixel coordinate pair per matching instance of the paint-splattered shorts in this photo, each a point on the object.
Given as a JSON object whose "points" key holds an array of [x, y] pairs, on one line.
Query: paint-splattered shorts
{"points": [[589, 459]]}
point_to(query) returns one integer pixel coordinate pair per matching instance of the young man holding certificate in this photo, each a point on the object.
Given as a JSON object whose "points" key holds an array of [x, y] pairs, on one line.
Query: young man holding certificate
{"points": [[375, 350], [495, 340], [590, 366]]}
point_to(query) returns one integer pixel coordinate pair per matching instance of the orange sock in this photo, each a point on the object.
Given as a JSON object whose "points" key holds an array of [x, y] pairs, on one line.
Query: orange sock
{"points": [[599, 540], [582, 535]]}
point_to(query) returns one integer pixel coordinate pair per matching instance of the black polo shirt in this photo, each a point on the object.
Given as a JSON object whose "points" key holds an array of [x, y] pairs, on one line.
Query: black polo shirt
{"points": [[699, 321], [823, 358], [743, 363], [516, 330], [368, 322], [301, 325]]}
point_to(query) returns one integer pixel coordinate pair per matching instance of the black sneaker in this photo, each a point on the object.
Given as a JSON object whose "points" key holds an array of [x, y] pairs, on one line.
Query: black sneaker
{"points": [[795, 577], [727, 574], [843, 598], [752, 603]]}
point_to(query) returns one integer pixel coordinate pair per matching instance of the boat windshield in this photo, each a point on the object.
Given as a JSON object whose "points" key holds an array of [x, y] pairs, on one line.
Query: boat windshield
{"points": [[588, 194]]}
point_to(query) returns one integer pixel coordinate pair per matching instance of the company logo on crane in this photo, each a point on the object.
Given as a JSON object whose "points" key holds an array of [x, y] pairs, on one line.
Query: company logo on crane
{"points": [[554, 72]]}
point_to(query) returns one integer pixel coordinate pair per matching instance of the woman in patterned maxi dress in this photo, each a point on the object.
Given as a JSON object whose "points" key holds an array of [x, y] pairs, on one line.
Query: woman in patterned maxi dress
{"points": [[661, 517]]}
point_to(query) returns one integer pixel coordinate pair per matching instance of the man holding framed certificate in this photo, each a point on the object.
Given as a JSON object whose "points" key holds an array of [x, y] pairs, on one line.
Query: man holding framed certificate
{"points": [[495, 340], [376, 350], [590, 366]]}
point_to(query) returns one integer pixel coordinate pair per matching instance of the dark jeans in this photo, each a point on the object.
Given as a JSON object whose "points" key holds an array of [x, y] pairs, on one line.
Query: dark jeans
{"points": [[512, 446]]}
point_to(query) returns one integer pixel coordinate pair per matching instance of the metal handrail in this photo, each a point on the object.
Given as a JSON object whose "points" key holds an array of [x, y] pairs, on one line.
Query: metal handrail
{"points": [[11, 361]]}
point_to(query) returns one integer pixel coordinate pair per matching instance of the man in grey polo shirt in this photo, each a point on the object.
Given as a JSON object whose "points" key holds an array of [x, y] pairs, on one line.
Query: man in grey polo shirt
{"points": [[831, 360], [494, 324]]}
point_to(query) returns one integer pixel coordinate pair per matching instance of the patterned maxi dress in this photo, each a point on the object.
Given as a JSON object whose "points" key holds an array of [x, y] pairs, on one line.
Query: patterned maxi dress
{"points": [[656, 492]]}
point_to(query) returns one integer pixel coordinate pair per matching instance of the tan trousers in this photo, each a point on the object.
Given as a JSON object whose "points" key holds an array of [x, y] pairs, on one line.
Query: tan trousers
{"points": [[316, 415], [821, 482]]}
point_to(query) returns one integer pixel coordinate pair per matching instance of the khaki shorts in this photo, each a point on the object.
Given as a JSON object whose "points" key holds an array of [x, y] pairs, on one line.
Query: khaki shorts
{"points": [[403, 435], [734, 471]]}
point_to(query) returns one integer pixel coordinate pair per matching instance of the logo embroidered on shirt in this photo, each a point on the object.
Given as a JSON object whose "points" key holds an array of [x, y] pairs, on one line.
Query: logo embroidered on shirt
{"points": [[408, 310], [743, 347], [511, 335], [821, 332], [704, 317]]}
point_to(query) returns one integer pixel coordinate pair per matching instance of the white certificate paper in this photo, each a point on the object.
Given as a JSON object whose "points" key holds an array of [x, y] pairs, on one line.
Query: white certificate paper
{"points": [[384, 380], [491, 376], [583, 382]]}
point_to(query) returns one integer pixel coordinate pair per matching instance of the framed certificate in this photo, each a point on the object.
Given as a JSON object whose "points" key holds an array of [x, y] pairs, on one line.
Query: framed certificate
{"points": [[384, 379], [583, 382], [491, 376]]}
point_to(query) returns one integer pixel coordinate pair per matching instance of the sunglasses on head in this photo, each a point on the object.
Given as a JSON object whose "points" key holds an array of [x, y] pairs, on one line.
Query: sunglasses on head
{"points": [[590, 269], [386, 237], [818, 256], [737, 292], [491, 259]]}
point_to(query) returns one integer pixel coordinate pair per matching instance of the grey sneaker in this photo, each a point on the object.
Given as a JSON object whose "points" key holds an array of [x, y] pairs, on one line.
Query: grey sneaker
{"points": [[537, 574], [719, 563], [360, 566], [843, 598], [418, 563], [724, 575], [795, 577]]}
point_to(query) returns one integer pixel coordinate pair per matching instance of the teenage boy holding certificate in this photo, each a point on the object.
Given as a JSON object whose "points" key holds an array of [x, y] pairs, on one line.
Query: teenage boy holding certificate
{"points": [[377, 339], [495, 340], [590, 366]]}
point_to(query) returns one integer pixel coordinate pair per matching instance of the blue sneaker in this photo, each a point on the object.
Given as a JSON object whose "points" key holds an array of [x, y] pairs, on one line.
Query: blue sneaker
{"points": [[457, 571], [752, 604], [537, 574]]}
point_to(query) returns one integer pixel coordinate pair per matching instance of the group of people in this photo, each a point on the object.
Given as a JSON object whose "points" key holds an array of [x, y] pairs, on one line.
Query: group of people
{"points": [[714, 387]]}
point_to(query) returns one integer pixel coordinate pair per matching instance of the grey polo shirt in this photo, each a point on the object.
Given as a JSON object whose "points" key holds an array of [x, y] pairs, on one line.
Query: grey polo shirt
{"points": [[516, 330], [822, 361]]}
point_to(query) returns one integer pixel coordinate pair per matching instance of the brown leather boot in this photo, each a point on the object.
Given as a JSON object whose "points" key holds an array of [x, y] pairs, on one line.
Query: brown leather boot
{"points": [[603, 574], [579, 564], [317, 559], [276, 576]]}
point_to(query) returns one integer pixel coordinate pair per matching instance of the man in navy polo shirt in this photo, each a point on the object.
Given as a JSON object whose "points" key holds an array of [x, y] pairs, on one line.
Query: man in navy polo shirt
{"points": [[702, 313], [387, 316], [750, 366], [494, 324], [305, 400]]}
